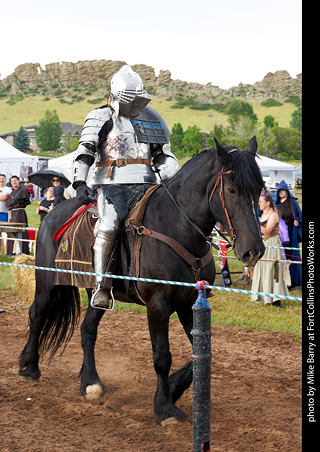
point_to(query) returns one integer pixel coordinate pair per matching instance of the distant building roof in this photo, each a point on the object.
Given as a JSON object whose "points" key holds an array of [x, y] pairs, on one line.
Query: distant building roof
{"points": [[67, 127]]}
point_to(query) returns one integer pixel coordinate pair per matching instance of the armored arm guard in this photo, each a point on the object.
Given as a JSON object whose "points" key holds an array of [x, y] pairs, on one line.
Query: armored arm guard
{"points": [[98, 124], [166, 162]]}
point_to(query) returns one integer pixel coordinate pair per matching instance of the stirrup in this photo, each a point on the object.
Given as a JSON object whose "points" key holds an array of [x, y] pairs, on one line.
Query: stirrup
{"points": [[100, 307]]}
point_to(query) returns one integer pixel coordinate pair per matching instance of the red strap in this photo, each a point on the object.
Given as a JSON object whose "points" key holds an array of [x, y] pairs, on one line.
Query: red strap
{"points": [[59, 233]]}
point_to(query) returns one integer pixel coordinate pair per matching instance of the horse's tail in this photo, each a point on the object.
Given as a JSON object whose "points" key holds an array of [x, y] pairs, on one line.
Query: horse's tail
{"points": [[61, 319]]}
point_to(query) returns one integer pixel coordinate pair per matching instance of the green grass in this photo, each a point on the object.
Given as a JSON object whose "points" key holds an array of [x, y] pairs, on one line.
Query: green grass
{"points": [[30, 110]]}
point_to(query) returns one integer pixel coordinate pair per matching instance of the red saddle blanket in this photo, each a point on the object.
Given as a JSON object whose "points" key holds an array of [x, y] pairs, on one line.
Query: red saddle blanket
{"points": [[75, 249]]}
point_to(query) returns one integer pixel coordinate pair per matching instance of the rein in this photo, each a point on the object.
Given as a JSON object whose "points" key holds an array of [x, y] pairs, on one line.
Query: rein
{"points": [[222, 198], [223, 202]]}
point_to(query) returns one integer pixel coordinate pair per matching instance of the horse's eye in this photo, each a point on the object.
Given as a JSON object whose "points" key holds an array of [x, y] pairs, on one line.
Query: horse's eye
{"points": [[231, 190]]}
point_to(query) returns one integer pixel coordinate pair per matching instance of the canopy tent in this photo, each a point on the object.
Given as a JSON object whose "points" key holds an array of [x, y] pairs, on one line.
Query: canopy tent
{"points": [[274, 171], [14, 162]]}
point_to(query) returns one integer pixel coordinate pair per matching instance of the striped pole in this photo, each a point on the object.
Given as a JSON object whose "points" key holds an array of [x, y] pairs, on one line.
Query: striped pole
{"points": [[201, 361]]}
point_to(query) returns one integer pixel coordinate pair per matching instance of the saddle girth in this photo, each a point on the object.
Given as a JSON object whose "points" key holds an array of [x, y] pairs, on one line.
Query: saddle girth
{"points": [[195, 263]]}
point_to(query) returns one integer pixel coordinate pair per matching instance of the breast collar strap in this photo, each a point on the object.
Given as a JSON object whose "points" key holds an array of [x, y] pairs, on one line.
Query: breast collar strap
{"points": [[223, 202]]}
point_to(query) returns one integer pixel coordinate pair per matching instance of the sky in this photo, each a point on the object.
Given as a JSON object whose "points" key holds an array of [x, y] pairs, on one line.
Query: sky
{"points": [[222, 42]]}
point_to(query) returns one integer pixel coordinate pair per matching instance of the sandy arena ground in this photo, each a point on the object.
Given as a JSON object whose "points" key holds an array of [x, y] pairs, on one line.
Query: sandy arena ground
{"points": [[256, 391]]}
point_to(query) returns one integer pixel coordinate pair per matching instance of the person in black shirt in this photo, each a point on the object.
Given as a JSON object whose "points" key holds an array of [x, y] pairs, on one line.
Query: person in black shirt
{"points": [[46, 204]]}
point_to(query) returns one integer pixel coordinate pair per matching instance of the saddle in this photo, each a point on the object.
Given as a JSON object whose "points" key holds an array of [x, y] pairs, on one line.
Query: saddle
{"points": [[76, 255], [72, 255]]}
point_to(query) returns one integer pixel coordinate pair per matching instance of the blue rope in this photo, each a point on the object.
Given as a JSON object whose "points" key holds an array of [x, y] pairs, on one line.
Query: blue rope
{"points": [[155, 281]]}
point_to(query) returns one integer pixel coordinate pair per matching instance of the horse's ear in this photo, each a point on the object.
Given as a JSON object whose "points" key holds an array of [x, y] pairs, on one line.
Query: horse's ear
{"points": [[253, 145], [222, 153]]}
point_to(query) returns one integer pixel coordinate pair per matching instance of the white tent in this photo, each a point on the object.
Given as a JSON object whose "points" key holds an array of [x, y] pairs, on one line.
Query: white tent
{"points": [[64, 165], [274, 171], [14, 162]]}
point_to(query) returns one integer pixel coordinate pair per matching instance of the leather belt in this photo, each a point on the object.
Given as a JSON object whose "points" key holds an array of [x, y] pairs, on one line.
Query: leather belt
{"points": [[120, 162]]}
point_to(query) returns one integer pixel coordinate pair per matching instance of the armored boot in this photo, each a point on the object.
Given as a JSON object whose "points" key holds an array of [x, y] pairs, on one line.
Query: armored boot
{"points": [[102, 298], [106, 231]]}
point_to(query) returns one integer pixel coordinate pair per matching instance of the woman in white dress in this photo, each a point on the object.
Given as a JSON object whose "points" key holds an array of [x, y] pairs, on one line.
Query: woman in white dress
{"points": [[268, 276]]}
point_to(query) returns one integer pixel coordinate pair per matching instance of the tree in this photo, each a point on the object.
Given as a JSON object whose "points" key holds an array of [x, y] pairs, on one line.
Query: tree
{"points": [[49, 131], [270, 121], [192, 140], [296, 119], [288, 143], [22, 140], [218, 133], [176, 138], [69, 143], [241, 131], [238, 109]]}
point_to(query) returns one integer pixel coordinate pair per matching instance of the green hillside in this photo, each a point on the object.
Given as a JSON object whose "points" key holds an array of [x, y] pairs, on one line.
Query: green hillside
{"points": [[30, 110]]}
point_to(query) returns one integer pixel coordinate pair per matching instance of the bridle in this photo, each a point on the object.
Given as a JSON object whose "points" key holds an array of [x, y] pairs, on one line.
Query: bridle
{"points": [[221, 194], [223, 202]]}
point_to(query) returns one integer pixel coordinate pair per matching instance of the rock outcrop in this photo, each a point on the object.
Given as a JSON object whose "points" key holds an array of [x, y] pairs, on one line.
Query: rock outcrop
{"points": [[97, 73]]}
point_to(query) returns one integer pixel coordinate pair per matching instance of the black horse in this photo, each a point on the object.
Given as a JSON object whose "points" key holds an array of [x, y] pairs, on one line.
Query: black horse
{"points": [[218, 185]]}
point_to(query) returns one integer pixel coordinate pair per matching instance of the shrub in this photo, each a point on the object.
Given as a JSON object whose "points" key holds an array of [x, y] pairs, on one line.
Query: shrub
{"points": [[271, 103]]}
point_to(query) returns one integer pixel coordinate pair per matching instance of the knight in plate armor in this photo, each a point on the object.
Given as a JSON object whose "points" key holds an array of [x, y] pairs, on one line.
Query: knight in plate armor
{"points": [[129, 143]]}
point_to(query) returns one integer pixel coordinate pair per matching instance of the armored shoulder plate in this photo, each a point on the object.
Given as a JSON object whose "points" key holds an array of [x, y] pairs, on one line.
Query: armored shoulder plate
{"points": [[150, 127], [93, 124]]}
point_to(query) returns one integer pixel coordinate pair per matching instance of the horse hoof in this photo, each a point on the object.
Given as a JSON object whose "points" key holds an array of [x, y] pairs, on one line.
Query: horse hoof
{"points": [[94, 392], [169, 421], [28, 379]]}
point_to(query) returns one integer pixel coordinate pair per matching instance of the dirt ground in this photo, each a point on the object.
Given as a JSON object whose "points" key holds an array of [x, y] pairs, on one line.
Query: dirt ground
{"points": [[256, 391]]}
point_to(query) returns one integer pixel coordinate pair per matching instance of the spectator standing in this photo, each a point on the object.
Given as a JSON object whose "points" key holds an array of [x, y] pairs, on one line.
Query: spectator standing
{"points": [[268, 276], [16, 204], [56, 181], [46, 204], [289, 210], [4, 193]]}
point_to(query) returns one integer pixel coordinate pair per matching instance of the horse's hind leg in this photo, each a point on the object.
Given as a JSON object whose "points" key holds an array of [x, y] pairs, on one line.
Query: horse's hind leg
{"points": [[29, 358], [164, 408], [90, 385]]}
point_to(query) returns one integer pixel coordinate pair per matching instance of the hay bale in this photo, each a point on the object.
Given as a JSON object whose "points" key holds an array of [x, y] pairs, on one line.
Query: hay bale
{"points": [[25, 278]]}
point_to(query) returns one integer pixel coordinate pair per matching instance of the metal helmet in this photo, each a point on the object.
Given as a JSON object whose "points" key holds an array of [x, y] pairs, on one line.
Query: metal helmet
{"points": [[127, 88]]}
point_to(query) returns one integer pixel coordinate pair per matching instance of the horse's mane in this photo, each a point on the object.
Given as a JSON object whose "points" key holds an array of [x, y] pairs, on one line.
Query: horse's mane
{"points": [[246, 172]]}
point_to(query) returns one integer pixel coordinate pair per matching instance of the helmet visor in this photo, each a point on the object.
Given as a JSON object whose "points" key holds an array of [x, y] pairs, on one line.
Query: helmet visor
{"points": [[131, 104]]}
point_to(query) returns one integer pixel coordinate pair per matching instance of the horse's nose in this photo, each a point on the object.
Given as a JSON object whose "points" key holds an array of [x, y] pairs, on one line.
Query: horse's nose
{"points": [[250, 258]]}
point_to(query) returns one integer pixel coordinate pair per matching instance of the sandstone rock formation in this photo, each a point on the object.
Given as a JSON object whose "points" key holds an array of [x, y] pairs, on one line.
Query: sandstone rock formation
{"points": [[97, 73]]}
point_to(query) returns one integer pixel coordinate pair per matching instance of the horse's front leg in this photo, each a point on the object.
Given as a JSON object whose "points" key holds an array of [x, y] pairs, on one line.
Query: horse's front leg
{"points": [[164, 409], [90, 385]]}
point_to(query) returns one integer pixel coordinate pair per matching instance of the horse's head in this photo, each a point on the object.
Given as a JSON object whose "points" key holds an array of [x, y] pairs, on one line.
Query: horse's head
{"points": [[234, 199]]}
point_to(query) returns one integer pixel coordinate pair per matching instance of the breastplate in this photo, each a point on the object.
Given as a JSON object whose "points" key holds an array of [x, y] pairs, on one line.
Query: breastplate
{"points": [[122, 142]]}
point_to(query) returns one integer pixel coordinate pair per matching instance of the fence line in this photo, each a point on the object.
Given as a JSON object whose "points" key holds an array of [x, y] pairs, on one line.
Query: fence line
{"points": [[154, 281]]}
